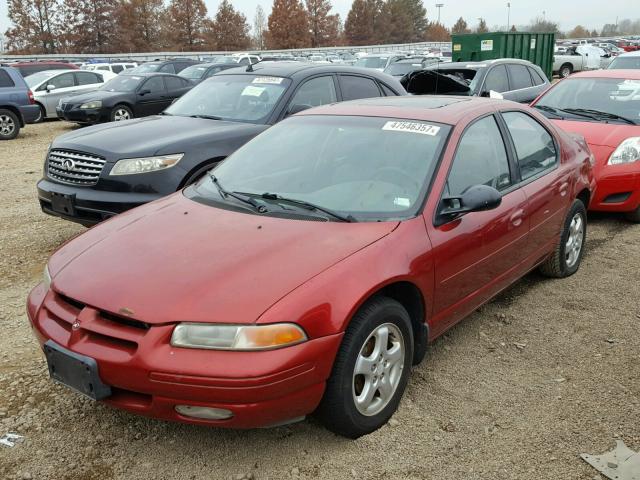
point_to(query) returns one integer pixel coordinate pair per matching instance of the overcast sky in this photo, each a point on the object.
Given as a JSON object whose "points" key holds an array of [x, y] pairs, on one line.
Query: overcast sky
{"points": [[568, 13]]}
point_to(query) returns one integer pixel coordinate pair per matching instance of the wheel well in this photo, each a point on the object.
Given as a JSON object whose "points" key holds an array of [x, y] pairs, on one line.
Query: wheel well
{"points": [[584, 196], [567, 64], [14, 110], [199, 169], [411, 298]]}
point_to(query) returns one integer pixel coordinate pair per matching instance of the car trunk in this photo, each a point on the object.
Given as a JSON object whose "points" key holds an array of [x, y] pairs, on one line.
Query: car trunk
{"points": [[444, 82]]}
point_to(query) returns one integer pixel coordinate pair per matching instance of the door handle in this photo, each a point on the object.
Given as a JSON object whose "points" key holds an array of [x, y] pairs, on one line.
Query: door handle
{"points": [[564, 188], [517, 217]]}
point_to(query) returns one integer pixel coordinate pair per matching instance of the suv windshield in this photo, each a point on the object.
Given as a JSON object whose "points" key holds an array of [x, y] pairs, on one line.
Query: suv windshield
{"points": [[625, 63], [581, 97], [369, 168], [239, 98], [123, 83]]}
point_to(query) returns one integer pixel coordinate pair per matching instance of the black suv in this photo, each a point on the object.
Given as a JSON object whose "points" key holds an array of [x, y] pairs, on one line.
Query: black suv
{"points": [[96, 172]]}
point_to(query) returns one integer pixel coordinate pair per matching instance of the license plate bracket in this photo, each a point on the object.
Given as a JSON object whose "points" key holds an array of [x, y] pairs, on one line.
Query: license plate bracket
{"points": [[63, 203], [75, 371]]}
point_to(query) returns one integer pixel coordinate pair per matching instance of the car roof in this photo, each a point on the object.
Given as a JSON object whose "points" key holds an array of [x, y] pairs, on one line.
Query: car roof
{"points": [[446, 109], [291, 69], [631, 74]]}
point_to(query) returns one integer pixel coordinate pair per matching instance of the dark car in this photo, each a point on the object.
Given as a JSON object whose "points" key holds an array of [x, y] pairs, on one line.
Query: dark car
{"points": [[403, 66], [29, 68], [124, 97], [202, 71], [166, 66], [17, 105], [95, 173], [513, 79]]}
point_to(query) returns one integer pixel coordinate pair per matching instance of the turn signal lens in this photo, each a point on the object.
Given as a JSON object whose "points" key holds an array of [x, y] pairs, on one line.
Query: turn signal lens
{"points": [[237, 337]]}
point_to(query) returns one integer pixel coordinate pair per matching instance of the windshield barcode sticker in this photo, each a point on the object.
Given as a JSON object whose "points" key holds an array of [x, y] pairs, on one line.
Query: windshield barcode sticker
{"points": [[269, 80], [412, 127], [252, 91]]}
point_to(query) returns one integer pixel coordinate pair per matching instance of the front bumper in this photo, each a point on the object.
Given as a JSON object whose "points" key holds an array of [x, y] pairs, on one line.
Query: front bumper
{"points": [[84, 115], [88, 206], [618, 188], [149, 377]]}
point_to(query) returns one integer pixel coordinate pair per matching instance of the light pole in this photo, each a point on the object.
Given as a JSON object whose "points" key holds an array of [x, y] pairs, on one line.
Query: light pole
{"points": [[439, 6], [508, 16]]}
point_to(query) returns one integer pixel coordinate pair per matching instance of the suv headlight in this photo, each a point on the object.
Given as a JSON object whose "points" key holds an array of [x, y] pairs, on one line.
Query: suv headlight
{"points": [[46, 277], [237, 337], [130, 166], [94, 104], [627, 152]]}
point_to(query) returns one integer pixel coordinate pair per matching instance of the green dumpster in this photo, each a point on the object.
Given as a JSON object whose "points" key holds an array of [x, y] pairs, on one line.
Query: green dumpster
{"points": [[538, 48]]}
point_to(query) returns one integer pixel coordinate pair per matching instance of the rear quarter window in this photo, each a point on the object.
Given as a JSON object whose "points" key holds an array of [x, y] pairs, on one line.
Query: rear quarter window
{"points": [[354, 88], [6, 80]]}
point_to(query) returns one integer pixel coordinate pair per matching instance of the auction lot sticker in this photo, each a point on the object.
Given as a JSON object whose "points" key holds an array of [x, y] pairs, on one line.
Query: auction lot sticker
{"points": [[412, 127], [268, 80]]}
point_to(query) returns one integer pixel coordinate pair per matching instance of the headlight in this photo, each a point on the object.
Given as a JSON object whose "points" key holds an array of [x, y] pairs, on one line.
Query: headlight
{"points": [[94, 104], [130, 166], [627, 152], [46, 278], [237, 337]]}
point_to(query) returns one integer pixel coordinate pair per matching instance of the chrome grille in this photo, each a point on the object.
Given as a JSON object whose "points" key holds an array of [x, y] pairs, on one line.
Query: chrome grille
{"points": [[74, 168]]}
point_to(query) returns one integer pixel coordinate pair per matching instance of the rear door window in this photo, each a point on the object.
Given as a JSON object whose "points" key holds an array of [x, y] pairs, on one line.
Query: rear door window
{"points": [[520, 77], [536, 77], [87, 78], [315, 92], [387, 91], [174, 83], [168, 68], [497, 80], [481, 159], [154, 84], [6, 80], [354, 87], [535, 147]]}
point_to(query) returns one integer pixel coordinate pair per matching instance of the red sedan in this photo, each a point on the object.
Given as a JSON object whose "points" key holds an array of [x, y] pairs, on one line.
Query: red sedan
{"points": [[604, 107], [310, 270]]}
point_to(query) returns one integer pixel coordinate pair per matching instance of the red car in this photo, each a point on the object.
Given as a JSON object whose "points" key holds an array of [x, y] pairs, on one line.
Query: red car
{"points": [[604, 107], [309, 271]]}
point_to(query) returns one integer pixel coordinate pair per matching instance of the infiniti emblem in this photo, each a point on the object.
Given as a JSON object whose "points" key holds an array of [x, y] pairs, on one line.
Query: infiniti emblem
{"points": [[69, 165], [75, 325]]}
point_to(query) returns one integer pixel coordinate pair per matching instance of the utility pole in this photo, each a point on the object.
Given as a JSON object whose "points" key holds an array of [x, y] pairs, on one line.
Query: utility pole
{"points": [[439, 6], [508, 16]]}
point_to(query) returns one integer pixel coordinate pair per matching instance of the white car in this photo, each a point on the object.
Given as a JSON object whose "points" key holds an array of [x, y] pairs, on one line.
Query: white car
{"points": [[50, 86], [109, 67]]}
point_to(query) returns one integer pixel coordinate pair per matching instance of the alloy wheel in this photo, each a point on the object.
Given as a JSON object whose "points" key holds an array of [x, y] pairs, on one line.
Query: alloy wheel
{"points": [[121, 114], [378, 369], [7, 125], [573, 247]]}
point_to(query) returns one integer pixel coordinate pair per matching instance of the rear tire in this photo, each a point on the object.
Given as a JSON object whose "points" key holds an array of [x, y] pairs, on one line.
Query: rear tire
{"points": [[567, 255], [120, 113], [378, 343], [9, 124], [42, 116], [633, 216]]}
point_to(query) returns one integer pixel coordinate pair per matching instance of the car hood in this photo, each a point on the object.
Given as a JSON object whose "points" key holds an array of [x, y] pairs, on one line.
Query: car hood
{"points": [[158, 134], [179, 260], [92, 96], [600, 134], [429, 82]]}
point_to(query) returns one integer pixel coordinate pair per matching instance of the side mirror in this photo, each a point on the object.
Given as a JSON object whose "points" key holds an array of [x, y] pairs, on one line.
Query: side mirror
{"points": [[297, 108], [50, 87], [144, 92], [475, 199]]}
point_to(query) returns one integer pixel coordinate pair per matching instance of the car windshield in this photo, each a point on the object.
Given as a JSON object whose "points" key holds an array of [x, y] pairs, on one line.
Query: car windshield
{"points": [[626, 63], [123, 83], [403, 68], [146, 68], [372, 62], [224, 59], [579, 97], [37, 78], [194, 72], [238, 98], [368, 167]]}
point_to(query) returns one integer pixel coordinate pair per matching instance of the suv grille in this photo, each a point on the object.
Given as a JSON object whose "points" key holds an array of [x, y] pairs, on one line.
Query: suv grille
{"points": [[74, 168]]}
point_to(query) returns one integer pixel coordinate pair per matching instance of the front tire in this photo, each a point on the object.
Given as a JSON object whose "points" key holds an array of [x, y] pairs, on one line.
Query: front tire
{"points": [[567, 255], [120, 113], [371, 370], [9, 125], [566, 70]]}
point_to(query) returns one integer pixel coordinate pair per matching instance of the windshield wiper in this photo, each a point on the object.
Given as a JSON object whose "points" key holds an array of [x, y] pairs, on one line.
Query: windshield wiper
{"points": [[225, 193], [595, 114], [553, 111], [206, 117], [309, 206]]}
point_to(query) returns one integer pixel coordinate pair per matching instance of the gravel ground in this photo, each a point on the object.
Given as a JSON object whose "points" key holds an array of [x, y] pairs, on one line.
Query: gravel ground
{"points": [[548, 370]]}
